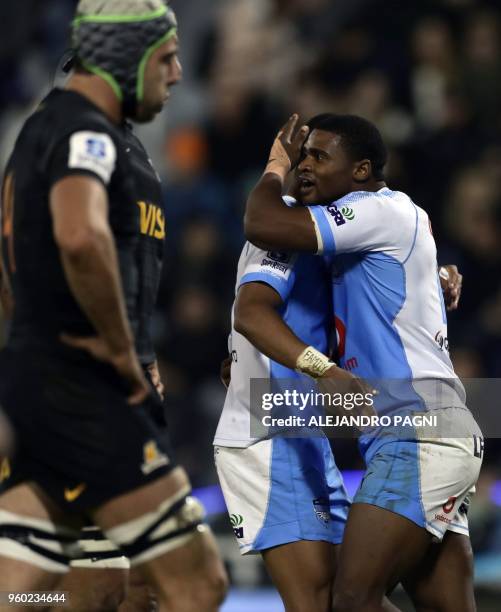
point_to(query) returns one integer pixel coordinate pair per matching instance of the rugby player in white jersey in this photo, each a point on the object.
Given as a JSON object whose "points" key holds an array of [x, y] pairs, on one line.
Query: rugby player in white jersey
{"points": [[408, 522], [285, 495]]}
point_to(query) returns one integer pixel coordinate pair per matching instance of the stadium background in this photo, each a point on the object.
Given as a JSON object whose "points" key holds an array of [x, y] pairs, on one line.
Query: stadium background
{"points": [[428, 73]]}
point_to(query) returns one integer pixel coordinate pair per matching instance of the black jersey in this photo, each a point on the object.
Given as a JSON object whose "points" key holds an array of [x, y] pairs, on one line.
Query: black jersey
{"points": [[150, 250], [66, 135]]}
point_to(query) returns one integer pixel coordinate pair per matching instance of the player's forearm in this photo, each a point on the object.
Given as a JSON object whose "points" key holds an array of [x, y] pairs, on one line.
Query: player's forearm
{"points": [[93, 276], [272, 225], [266, 330]]}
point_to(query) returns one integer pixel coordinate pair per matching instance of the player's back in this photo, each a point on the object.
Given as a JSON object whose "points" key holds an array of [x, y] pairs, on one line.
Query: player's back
{"points": [[66, 135]]}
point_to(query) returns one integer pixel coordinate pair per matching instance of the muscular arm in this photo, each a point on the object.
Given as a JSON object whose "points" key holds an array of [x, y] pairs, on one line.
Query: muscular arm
{"points": [[257, 318], [79, 208], [271, 224]]}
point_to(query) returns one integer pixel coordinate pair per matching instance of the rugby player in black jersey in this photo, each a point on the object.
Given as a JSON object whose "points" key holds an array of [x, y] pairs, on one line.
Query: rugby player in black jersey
{"points": [[99, 573], [72, 384]]}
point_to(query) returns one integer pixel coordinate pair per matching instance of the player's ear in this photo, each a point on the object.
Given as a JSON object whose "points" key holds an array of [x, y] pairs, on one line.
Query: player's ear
{"points": [[362, 171]]}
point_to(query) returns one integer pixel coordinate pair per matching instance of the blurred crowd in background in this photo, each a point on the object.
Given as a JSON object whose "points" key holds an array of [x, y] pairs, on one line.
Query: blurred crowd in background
{"points": [[427, 72]]}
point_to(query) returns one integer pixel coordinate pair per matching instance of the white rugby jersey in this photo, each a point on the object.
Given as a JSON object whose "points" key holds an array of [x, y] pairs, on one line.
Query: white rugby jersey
{"points": [[302, 281], [390, 314]]}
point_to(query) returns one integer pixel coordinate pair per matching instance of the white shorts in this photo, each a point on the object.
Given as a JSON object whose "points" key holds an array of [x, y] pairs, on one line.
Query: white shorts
{"points": [[282, 490], [429, 482]]}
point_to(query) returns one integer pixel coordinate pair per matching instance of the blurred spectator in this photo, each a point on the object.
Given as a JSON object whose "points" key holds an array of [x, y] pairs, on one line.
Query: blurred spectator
{"points": [[482, 66], [434, 73]]}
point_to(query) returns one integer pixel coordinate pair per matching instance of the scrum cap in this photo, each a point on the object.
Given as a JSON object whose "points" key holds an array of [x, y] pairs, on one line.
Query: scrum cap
{"points": [[115, 38]]}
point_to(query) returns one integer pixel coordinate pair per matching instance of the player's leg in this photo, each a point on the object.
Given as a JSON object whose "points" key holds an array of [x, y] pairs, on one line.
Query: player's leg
{"points": [[287, 501], [93, 589], [160, 528], [405, 500], [303, 573], [378, 547], [443, 582], [98, 576], [141, 596], [33, 540]]}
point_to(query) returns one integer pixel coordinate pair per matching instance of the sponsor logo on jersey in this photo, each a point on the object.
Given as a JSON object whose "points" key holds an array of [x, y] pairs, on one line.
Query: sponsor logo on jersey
{"points": [[70, 495], [93, 151], [443, 519], [322, 509], [153, 458], [341, 216], [96, 147], [442, 341], [351, 363], [333, 210], [277, 256], [348, 213], [151, 220], [236, 521], [276, 265]]}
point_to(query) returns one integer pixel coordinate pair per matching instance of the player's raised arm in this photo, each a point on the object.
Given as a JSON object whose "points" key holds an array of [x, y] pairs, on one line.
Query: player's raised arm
{"points": [[79, 208], [268, 222]]}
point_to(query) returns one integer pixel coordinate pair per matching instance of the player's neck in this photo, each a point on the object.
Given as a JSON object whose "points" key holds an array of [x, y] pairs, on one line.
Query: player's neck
{"points": [[97, 90], [371, 185]]}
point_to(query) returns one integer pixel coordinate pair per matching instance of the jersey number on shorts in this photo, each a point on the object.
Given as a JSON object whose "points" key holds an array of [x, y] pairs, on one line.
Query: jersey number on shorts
{"points": [[478, 446]]}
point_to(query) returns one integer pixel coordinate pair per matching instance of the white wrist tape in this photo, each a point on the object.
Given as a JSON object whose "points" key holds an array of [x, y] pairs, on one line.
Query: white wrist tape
{"points": [[313, 362]]}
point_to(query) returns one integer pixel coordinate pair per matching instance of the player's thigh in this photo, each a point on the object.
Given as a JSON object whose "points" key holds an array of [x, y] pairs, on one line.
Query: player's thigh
{"points": [[378, 548], [192, 572], [143, 499], [303, 573], [443, 581], [160, 528], [25, 510]]}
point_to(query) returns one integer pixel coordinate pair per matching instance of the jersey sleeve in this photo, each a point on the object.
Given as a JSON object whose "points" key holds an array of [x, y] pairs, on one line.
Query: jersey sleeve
{"points": [[273, 268], [359, 224], [83, 152]]}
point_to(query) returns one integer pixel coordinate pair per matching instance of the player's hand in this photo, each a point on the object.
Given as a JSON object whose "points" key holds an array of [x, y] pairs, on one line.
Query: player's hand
{"points": [[155, 378], [337, 380], [125, 363], [225, 371], [452, 283], [286, 149]]}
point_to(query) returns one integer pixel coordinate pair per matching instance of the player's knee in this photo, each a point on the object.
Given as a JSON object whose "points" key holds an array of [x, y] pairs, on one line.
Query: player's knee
{"points": [[95, 590], [214, 584], [204, 590], [106, 601], [309, 598]]}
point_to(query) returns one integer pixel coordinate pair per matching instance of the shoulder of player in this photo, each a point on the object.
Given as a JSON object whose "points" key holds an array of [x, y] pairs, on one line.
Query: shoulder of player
{"points": [[67, 112]]}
